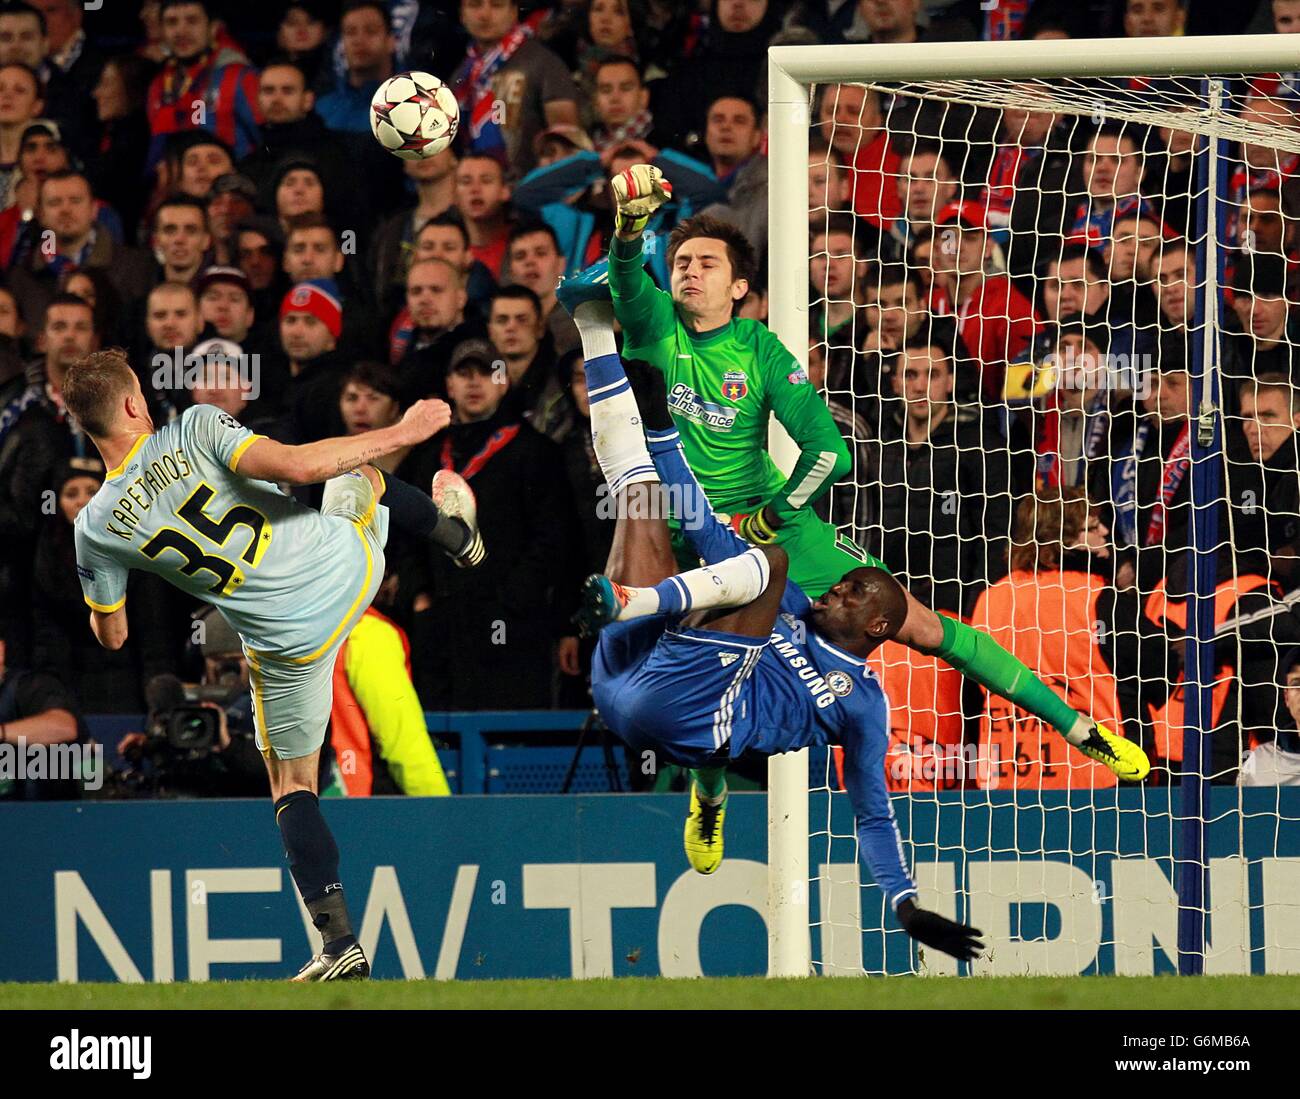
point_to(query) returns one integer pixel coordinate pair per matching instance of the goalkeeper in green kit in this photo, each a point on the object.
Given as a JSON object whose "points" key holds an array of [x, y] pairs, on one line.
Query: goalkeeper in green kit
{"points": [[725, 377]]}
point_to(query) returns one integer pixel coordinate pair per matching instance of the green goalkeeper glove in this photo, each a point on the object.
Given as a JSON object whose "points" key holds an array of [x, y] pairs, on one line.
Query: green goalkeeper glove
{"points": [[758, 528], [638, 193]]}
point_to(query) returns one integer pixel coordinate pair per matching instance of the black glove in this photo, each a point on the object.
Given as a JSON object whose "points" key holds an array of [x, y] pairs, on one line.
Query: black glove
{"points": [[962, 942]]}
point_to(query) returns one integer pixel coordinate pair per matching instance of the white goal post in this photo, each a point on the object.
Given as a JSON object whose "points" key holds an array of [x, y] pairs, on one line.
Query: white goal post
{"points": [[793, 74]]}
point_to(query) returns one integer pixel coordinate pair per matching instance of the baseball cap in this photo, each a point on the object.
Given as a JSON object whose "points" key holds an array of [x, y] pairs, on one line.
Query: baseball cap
{"points": [[45, 127], [473, 351], [966, 214], [565, 131], [210, 275], [234, 183], [216, 348]]}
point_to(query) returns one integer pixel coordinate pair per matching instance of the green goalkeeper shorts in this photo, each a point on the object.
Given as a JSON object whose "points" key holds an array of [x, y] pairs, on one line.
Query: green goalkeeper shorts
{"points": [[819, 555]]}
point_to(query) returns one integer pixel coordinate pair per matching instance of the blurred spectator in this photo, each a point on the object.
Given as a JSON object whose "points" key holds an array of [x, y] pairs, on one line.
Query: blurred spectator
{"points": [[734, 140], [230, 200], [535, 261], [445, 237], [36, 438], [259, 247], [366, 31], [1154, 18], [21, 100], [572, 196], [1076, 430], [226, 303], [1056, 613], [1175, 271], [116, 165], [897, 21], [609, 33], [506, 64], [431, 326], [173, 325], [92, 285], [850, 120], [72, 237], [311, 320], [101, 680], [1025, 192], [371, 398], [298, 190], [1265, 344], [1263, 167], [921, 484], [730, 63], [435, 190], [41, 153], [194, 161], [829, 184], [832, 271], [485, 635], [1260, 225], [312, 250], [293, 131], [1263, 467], [226, 381], [586, 481], [898, 311], [518, 331], [1150, 490], [1112, 168], [1277, 762], [199, 70], [995, 321], [301, 38], [1073, 283], [621, 105], [926, 184], [845, 505], [181, 238], [377, 724], [71, 68], [36, 709], [483, 201]]}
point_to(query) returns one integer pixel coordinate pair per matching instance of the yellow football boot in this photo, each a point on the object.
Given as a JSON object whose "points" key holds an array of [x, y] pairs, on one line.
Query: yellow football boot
{"points": [[1125, 758], [703, 835]]}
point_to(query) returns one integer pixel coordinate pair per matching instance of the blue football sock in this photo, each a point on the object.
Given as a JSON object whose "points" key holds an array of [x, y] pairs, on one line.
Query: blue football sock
{"points": [[314, 864]]}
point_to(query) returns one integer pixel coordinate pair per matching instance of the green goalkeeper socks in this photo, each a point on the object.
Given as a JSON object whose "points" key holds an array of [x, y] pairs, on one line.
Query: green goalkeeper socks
{"points": [[712, 781], [978, 657]]}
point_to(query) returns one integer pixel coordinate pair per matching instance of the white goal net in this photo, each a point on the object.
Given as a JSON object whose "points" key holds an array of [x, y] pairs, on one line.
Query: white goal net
{"points": [[1053, 317]]}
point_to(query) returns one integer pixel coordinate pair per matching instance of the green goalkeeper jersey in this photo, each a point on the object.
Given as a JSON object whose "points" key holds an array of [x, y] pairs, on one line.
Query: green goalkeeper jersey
{"points": [[722, 387]]}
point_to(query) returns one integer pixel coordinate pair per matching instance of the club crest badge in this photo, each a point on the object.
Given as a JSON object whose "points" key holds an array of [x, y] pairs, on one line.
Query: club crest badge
{"points": [[839, 684], [734, 385]]}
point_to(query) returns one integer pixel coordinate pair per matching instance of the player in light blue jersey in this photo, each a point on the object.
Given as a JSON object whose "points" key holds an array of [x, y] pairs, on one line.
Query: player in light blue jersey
{"points": [[197, 502], [700, 666]]}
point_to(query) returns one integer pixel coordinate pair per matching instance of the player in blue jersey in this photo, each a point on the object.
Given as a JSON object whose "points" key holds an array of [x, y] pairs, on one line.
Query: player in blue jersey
{"points": [[702, 665], [197, 502]]}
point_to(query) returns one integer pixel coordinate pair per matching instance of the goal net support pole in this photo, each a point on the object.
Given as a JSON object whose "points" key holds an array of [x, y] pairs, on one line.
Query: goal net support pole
{"points": [[793, 71], [1194, 785]]}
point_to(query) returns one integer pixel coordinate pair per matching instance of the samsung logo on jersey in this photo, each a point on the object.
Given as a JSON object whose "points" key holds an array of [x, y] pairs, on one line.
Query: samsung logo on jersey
{"points": [[811, 677], [682, 399]]}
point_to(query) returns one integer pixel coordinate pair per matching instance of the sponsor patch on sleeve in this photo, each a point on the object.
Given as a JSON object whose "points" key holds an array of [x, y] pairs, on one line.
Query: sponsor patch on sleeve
{"points": [[797, 377], [85, 573]]}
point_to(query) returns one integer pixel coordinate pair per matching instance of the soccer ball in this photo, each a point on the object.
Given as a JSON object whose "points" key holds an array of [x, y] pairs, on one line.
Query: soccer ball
{"points": [[414, 115]]}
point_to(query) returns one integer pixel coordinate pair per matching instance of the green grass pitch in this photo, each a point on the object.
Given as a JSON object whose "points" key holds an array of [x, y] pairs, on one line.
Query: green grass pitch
{"points": [[1025, 993]]}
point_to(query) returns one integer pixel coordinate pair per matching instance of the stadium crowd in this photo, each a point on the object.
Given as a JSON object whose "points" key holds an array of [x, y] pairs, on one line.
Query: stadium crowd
{"points": [[201, 188]]}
